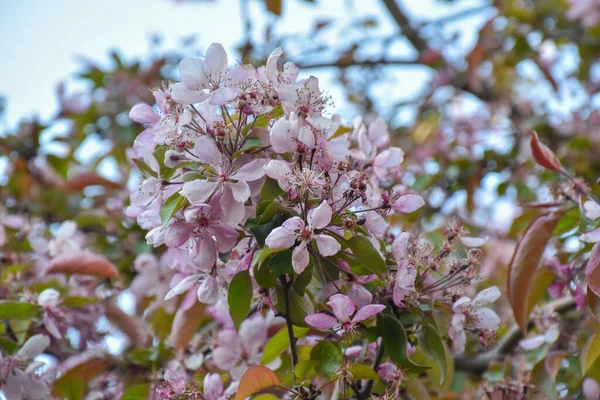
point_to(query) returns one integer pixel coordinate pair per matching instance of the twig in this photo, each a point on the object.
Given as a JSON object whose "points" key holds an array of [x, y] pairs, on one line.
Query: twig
{"points": [[405, 27], [369, 386], [290, 326]]}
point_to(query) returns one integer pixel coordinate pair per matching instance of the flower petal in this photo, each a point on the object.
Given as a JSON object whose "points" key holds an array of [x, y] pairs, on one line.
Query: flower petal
{"points": [[206, 150], [328, 246], [215, 60], [278, 170], [487, 319], [321, 321], [178, 234], [281, 238], [320, 217], [300, 258], [33, 347], [342, 307], [367, 312], [250, 172], [592, 236], [185, 95], [198, 191], [408, 203], [470, 241], [486, 296], [240, 190], [183, 286], [143, 114]]}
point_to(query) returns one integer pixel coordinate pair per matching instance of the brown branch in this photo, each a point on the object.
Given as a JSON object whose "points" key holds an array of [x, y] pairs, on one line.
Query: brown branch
{"points": [[478, 363], [343, 63], [405, 27]]}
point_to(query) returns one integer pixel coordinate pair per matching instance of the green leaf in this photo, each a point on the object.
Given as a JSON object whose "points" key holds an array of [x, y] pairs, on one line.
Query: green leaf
{"points": [[329, 358], [303, 280], [263, 276], [363, 249], [261, 231], [305, 368], [139, 391], [300, 306], [281, 263], [280, 342], [70, 389], [239, 297], [7, 345], [18, 310], [270, 190], [144, 169], [341, 130], [395, 341], [433, 346], [171, 206], [361, 371], [589, 353], [78, 301]]}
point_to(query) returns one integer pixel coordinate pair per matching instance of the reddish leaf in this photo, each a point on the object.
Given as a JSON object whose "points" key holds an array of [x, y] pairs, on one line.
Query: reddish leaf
{"points": [[274, 6], [593, 303], [186, 323], [127, 324], [543, 155], [592, 272], [255, 379], [524, 264], [84, 366], [83, 262], [86, 179]]}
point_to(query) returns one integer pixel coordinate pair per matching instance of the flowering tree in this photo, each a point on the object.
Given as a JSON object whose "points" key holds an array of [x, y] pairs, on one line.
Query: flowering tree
{"points": [[264, 248]]}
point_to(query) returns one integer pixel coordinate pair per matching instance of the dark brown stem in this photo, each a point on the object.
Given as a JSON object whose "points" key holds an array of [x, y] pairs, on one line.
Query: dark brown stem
{"points": [[369, 386], [406, 28], [290, 326]]}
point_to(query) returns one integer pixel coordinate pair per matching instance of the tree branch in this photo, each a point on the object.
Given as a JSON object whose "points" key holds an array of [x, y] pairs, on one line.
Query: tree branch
{"points": [[290, 326], [479, 363], [346, 63], [405, 27]]}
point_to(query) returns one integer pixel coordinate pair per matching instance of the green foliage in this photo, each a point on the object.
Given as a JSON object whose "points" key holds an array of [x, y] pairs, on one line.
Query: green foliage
{"points": [[239, 297], [395, 342], [18, 310], [328, 356]]}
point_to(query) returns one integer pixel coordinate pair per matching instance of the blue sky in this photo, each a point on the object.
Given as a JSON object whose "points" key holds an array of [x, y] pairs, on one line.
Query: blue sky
{"points": [[41, 40]]}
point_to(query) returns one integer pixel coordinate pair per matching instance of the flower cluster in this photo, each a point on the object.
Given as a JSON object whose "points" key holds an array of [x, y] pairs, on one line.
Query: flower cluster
{"points": [[244, 174]]}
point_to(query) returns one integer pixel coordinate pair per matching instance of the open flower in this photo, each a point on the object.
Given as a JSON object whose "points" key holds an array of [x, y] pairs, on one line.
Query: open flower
{"points": [[346, 318], [205, 229], [51, 302], [294, 229], [19, 384], [204, 79], [469, 313], [229, 180]]}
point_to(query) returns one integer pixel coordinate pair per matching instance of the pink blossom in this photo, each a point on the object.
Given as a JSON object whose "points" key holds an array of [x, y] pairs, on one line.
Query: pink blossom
{"points": [[53, 314], [295, 229], [204, 231], [204, 79], [345, 319], [289, 136], [24, 384], [231, 181], [591, 389], [236, 351], [467, 312]]}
